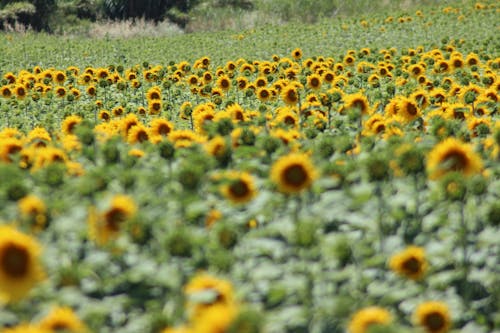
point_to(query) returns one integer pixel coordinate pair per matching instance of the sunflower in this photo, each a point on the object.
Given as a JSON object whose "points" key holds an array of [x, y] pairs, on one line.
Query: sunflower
{"points": [[408, 109], [104, 115], [357, 101], [453, 155], [293, 173], [48, 155], [215, 319], [34, 208], [242, 82], [6, 92], [433, 317], [240, 187], [9, 146], [69, 124], [185, 138], [160, 126], [287, 117], [138, 134], [260, 82], [367, 317], [297, 54], [106, 225], [410, 263], [314, 81], [263, 94], [59, 77], [349, 60], [237, 112], [216, 292], [290, 95], [201, 120], [62, 319], [20, 269], [223, 82], [91, 90], [20, 91], [153, 93], [155, 106]]}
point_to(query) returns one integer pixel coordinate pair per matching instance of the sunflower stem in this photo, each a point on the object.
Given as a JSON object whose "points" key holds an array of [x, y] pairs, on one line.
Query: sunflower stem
{"points": [[381, 207], [465, 260]]}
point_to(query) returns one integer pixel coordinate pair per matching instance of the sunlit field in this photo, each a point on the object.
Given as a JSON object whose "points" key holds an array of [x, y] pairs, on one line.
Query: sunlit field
{"points": [[336, 177]]}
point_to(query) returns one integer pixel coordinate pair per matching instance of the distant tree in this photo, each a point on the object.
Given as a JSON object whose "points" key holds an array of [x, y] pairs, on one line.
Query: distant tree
{"points": [[21, 11], [148, 9]]}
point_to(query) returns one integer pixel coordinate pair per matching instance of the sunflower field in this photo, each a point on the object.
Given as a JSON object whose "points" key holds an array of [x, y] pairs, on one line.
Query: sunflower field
{"points": [[336, 177]]}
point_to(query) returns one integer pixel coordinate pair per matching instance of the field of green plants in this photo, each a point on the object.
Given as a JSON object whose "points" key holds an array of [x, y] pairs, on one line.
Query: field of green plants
{"points": [[336, 177]]}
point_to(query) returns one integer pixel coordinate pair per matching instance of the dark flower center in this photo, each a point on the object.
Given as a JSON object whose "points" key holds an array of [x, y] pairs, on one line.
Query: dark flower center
{"points": [[239, 189], [295, 175], [412, 265], [114, 217], [455, 160], [434, 322], [14, 261]]}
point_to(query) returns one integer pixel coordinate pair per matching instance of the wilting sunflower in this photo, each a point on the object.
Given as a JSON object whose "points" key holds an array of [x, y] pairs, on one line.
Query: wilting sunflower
{"points": [[107, 225], [411, 262], [20, 269], [239, 187], [293, 173], [453, 155], [433, 317], [367, 317], [62, 319]]}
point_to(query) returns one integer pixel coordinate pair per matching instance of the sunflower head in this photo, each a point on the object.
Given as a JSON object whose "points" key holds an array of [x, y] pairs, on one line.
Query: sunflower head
{"points": [[365, 318], [293, 173], [453, 155], [62, 319], [433, 317], [410, 262], [239, 187], [290, 95], [297, 54], [105, 226], [20, 269]]}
